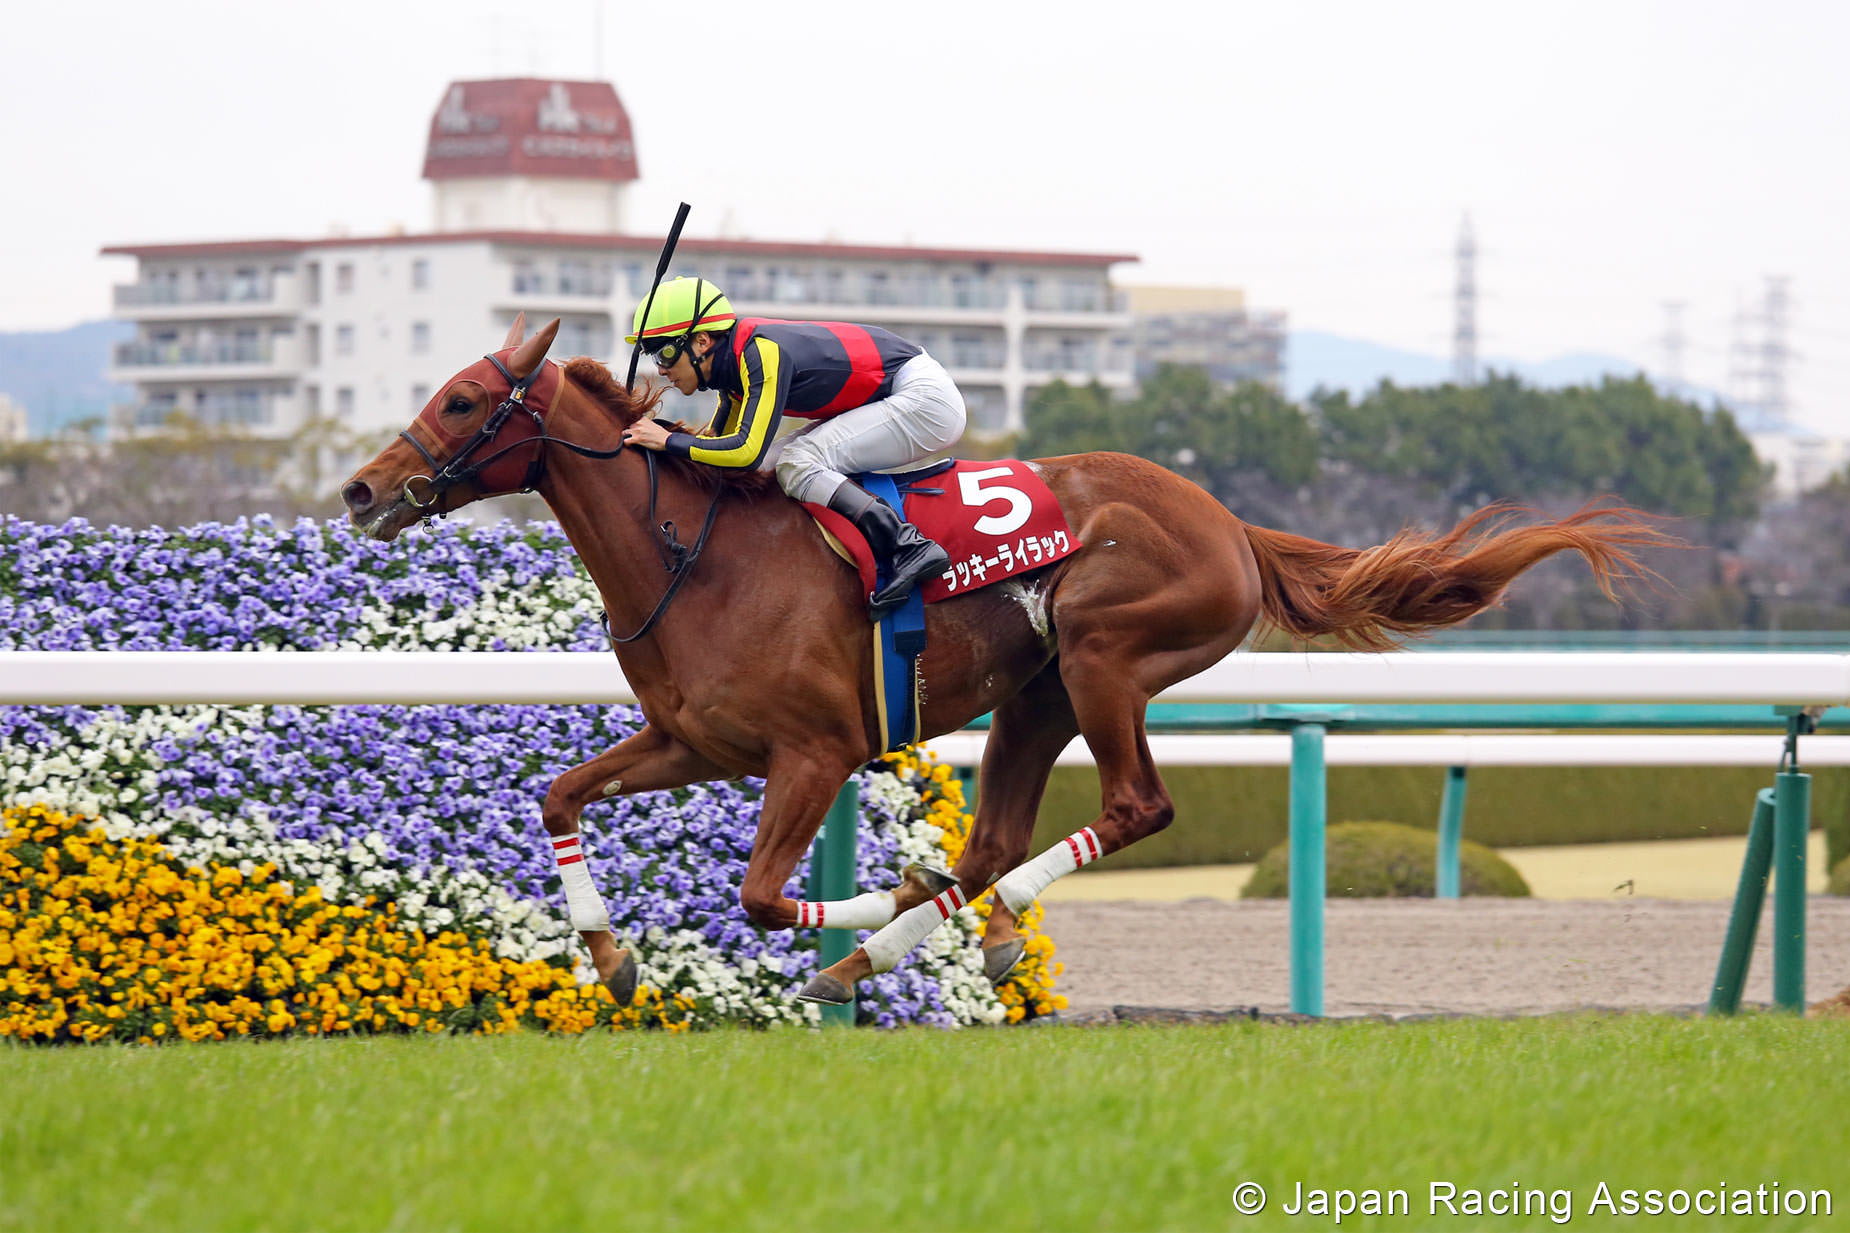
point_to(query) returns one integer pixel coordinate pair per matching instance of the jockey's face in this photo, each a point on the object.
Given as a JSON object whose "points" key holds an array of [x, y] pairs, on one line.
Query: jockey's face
{"points": [[681, 373]]}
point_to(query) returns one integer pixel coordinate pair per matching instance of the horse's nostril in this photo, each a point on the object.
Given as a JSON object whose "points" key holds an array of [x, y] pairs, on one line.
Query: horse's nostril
{"points": [[357, 495]]}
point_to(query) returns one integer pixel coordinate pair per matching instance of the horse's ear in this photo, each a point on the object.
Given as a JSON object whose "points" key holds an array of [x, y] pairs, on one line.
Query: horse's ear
{"points": [[527, 359], [516, 332]]}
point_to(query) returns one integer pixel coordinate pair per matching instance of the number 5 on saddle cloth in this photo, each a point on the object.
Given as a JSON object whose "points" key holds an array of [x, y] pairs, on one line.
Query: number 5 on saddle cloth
{"points": [[997, 519]]}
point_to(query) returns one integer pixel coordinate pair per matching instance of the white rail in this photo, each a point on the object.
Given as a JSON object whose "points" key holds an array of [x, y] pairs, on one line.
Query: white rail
{"points": [[408, 677]]}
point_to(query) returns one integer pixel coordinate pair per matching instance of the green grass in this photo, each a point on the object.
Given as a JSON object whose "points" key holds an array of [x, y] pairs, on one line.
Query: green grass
{"points": [[1059, 1128]]}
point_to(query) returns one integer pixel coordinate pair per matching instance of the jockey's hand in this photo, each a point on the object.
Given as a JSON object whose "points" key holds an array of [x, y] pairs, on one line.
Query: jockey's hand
{"points": [[646, 433]]}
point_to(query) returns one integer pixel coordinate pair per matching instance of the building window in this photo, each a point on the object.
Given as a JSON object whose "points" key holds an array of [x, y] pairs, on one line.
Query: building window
{"points": [[420, 395], [739, 283], [1081, 295], [526, 278], [987, 408], [420, 338], [343, 340], [420, 274], [343, 277], [249, 408], [343, 402], [246, 283]]}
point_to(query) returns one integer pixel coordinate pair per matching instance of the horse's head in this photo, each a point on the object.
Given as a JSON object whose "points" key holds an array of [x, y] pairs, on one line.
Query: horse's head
{"points": [[479, 437]]}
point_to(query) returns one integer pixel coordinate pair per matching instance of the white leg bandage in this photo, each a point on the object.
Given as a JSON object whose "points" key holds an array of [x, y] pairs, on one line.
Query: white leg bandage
{"points": [[869, 911], [886, 948], [589, 915], [1020, 887]]}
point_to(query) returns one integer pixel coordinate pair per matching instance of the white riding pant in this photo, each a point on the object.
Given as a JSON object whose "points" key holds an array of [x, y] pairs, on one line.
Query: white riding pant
{"points": [[924, 415]]}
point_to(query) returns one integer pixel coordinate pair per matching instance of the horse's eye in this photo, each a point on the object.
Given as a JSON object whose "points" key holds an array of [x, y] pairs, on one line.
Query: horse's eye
{"points": [[458, 406]]}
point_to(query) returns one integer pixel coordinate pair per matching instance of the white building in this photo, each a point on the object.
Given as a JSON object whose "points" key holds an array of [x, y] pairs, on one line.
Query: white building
{"points": [[528, 206], [1210, 328]]}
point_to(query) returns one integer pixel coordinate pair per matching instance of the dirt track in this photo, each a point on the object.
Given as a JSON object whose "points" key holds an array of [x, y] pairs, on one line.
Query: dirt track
{"points": [[1417, 956]]}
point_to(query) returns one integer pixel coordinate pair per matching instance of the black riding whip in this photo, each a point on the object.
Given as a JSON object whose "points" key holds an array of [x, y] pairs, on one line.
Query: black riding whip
{"points": [[661, 268]]}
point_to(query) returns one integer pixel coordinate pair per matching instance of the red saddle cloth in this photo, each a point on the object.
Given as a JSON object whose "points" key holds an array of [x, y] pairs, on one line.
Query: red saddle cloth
{"points": [[997, 520]]}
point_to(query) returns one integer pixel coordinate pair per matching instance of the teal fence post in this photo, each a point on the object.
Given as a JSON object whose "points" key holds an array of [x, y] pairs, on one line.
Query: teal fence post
{"points": [[966, 775], [1791, 825], [1451, 831], [831, 877], [1308, 804], [1744, 917]]}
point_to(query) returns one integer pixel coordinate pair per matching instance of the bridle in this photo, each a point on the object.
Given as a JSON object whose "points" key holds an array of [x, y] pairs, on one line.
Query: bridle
{"points": [[447, 475], [677, 558]]}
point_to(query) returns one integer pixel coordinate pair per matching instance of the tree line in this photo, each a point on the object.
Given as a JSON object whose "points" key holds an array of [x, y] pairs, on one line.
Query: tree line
{"points": [[1356, 470], [1346, 470]]}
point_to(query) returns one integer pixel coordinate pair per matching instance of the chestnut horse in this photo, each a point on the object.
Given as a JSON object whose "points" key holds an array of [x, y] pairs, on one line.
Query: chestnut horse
{"points": [[754, 657]]}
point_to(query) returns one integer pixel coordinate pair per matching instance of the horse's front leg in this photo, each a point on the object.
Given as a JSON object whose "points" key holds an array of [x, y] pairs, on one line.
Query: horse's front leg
{"points": [[649, 761], [1026, 736], [797, 794]]}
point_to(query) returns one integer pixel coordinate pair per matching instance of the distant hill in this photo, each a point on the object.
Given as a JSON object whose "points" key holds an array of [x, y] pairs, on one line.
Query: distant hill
{"points": [[57, 375], [1315, 358]]}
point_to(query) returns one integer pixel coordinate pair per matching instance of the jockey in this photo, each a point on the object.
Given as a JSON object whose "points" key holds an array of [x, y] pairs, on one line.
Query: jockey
{"points": [[879, 403]]}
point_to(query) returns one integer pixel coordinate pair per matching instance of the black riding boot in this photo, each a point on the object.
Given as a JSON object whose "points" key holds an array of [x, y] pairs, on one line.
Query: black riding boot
{"points": [[906, 557]]}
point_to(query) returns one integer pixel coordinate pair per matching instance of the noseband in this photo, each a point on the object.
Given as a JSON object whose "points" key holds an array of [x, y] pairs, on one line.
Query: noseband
{"points": [[677, 558]]}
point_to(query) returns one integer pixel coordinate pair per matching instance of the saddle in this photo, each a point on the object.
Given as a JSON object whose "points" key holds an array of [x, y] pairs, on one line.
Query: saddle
{"points": [[996, 519]]}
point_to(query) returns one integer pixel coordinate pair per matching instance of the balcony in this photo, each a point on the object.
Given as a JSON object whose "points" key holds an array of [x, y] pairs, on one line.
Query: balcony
{"points": [[973, 360], [162, 300], [1077, 307], [1077, 364], [202, 361], [258, 413]]}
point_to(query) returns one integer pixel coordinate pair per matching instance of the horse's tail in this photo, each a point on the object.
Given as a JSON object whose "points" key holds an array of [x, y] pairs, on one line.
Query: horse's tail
{"points": [[1418, 582]]}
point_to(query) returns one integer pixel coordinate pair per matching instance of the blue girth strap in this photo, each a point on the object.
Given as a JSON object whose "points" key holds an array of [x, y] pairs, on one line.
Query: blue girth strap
{"points": [[902, 639]]}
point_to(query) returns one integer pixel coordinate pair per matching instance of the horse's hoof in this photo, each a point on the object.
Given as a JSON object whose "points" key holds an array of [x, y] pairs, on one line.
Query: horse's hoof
{"points": [[934, 881], [999, 961], [622, 982], [827, 990]]}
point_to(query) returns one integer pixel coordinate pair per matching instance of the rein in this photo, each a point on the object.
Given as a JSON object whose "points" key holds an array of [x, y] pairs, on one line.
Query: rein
{"points": [[677, 558]]}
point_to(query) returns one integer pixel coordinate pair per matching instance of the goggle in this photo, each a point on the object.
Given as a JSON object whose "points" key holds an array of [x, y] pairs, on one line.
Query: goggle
{"points": [[665, 351]]}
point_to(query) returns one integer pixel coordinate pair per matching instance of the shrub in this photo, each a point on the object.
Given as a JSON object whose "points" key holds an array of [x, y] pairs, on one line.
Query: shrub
{"points": [[428, 817], [1375, 860], [1840, 878]]}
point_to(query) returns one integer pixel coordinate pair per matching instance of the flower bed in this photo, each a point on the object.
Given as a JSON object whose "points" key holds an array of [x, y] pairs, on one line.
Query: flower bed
{"points": [[426, 818]]}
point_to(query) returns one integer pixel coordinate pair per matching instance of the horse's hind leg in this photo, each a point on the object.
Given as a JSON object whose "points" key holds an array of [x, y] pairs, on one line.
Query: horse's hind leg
{"points": [[1027, 734], [1173, 601], [1110, 706]]}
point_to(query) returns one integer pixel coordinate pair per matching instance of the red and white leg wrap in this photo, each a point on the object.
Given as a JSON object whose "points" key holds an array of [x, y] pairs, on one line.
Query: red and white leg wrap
{"points": [[886, 948], [1020, 887], [589, 915], [869, 911]]}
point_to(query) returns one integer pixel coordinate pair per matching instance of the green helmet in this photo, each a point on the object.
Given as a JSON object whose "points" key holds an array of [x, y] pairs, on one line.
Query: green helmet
{"points": [[682, 306]]}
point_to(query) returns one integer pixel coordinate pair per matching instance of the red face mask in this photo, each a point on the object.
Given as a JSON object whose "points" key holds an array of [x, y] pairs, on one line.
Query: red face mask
{"points": [[510, 466]]}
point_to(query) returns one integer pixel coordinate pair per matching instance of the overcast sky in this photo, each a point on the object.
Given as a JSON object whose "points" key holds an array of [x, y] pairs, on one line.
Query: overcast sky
{"points": [[1612, 156]]}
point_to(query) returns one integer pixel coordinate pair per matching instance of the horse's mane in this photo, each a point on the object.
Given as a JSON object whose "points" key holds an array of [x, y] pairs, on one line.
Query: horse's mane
{"points": [[594, 379]]}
